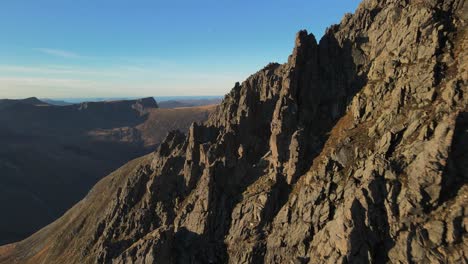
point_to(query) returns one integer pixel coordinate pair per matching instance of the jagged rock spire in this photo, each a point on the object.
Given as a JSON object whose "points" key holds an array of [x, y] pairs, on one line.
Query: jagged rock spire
{"points": [[352, 152]]}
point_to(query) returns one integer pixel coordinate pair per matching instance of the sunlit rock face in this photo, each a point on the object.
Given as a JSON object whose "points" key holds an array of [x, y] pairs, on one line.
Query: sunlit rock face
{"points": [[354, 151]]}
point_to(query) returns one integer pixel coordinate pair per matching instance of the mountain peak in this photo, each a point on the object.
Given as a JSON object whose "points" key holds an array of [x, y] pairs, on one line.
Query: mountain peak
{"points": [[4, 103], [148, 102], [353, 151], [140, 105]]}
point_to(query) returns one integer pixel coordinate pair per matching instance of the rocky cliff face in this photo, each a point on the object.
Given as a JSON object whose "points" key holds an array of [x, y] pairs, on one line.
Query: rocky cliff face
{"points": [[354, 151]]}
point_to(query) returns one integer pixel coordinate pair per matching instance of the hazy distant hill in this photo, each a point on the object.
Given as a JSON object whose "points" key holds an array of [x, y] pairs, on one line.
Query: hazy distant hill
{"points": [[163, 102], [188, 102], [4, 103], [50, 155], [56, 102]]}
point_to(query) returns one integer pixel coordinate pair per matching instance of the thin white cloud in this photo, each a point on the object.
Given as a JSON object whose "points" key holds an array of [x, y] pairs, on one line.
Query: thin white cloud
{"points": [[59, 53], [17, 81], [121, 72], [18, 87], [11, 82], [57, 70]]}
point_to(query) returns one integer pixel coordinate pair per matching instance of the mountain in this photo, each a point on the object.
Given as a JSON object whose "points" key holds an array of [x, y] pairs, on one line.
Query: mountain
{"points": [[51, 156], [56, 102], [180, 102], [4, 103], [188, 102], [354, 151]]}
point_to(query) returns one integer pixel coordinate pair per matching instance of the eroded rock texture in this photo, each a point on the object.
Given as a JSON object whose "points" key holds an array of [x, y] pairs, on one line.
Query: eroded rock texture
{"points": [[354, 151]]}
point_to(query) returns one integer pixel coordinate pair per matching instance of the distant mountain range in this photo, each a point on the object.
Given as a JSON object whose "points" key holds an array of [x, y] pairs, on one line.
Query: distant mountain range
{"points": [[4, 103], [163, 102], [56, 102], [51, 155], [188, 102]]}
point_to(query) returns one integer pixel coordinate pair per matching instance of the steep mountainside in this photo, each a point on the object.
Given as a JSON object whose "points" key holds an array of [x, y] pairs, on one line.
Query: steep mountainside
{"points": [[51, 156], [354, 151]]}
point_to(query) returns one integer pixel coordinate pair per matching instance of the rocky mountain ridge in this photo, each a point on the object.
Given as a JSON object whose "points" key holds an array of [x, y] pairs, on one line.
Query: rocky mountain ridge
{"points": [[354, 151], [29, 101]]}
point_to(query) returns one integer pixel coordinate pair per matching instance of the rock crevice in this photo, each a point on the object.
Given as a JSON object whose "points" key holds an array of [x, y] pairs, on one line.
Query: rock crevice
{"points": [[351, 152]]}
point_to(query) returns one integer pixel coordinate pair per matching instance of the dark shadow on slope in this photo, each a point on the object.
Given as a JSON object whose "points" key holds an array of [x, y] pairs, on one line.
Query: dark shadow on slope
{"points": [[193, 248], [49, 161], [456, 172], [358, 241], [367, 245], [378, 231]]}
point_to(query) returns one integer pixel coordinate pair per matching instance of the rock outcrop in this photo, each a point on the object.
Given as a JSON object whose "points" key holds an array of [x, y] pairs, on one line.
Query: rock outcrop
{"points": [[354, 151]]}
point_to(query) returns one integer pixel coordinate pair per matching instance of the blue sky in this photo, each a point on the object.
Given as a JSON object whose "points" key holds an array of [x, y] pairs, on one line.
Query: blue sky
{"points": [[111, 48]]}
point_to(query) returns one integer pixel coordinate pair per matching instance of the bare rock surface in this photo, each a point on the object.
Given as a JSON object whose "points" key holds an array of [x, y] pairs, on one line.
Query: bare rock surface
{"points": [[354, 151]]}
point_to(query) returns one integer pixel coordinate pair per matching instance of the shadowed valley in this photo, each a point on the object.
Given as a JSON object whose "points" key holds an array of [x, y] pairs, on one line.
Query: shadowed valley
{"points": [[51, 156]]}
